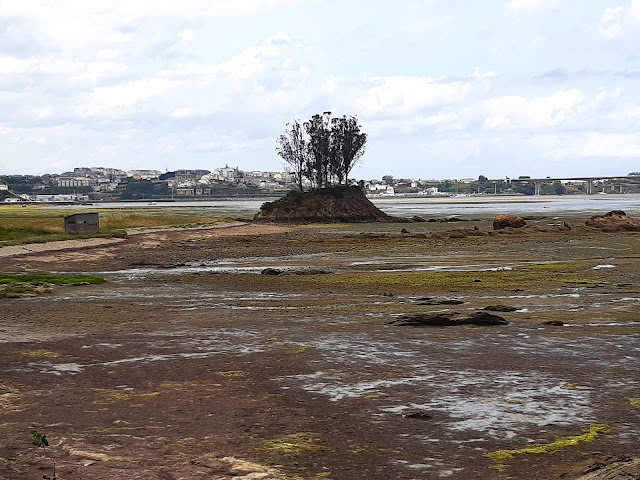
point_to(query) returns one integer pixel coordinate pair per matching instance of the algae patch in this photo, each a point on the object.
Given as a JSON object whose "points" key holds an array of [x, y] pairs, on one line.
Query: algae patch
{"points": [[293, 444], [41, 354], [587, 435]]}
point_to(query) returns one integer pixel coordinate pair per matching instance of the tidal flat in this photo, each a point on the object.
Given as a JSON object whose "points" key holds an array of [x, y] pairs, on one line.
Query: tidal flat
{"points": [[271, 350]]}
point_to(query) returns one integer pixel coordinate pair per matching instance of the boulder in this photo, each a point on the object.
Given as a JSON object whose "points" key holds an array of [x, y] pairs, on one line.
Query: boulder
{"points": [[620, 467], [271, 271], [441, 301], [554, 323], [614, 221], [500, 308], [504, 221], [446, 319]]}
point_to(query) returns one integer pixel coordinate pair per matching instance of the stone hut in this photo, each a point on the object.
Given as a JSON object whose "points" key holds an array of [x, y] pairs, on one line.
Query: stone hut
{"points": [[82, 223]]}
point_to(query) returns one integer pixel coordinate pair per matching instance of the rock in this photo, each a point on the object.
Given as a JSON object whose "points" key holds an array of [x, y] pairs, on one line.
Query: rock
{"points": [[418, 414], [417, 219], [620, 467], [500, 308], [441, 301], [404, 230], [568, 225], [271, 271], [504, 221], [324, 205], [554, 323], [444, 319], [614, 221]]}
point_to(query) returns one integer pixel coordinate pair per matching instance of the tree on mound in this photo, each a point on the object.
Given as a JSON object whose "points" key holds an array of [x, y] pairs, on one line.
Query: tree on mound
{"points": [[323, 205], [323, 149]]}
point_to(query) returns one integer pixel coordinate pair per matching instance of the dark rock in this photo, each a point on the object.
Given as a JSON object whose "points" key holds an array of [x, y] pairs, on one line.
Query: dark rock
{"points": [[620, 467], [432, 220], [614, 221], [404, 230], [500, 308], [444, 319], [418, 414], [504, 221], [441, 301], [310, 271], [271, 271], [554, 323], [417, 219], [568, 225]]}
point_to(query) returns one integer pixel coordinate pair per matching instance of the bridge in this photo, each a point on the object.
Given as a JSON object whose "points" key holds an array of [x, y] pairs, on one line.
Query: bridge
{"points": [[538, 182]]}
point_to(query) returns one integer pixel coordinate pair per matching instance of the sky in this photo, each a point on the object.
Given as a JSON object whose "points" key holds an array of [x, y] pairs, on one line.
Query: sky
{"points": [[443, 88]]}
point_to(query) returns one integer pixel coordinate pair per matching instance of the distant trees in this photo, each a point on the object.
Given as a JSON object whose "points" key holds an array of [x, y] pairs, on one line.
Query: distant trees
{"points": [[388, 179], [323, 149]]}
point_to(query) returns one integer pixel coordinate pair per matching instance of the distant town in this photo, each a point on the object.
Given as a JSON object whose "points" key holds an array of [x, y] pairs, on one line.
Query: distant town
{"points": [[111, 184]]}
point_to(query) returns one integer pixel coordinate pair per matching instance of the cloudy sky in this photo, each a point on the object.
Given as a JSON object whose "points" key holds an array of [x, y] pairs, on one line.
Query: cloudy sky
{"points": [[444, 88]]}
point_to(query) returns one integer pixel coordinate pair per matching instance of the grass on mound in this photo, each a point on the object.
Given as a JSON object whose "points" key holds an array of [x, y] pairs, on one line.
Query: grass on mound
{"points": [[37, 225], [21, 285]]}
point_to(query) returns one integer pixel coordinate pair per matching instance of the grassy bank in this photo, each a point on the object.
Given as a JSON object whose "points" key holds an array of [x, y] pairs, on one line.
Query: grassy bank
{"points": [[21, 285], [36, 224]]}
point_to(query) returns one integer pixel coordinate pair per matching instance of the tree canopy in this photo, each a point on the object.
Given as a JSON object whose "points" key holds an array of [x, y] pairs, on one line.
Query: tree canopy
{"points": [[323, 149]]}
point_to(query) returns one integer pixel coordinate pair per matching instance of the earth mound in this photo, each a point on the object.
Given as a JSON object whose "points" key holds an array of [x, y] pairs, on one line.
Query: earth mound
{"points": [[324, 205], [614, 221]]}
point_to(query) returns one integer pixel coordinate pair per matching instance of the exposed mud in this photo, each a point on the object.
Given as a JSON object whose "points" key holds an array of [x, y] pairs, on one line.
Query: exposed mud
{"points": [[189, 363]]}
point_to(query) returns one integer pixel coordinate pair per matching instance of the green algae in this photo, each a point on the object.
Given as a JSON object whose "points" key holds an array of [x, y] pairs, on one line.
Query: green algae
{"points": [[41, 354], [504, 279], [587, 435], [234, 374], [293, 444]]}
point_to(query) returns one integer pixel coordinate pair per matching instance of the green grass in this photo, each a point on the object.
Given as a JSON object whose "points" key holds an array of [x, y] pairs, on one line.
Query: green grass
{"points": [[20, 285], [35, 224]]}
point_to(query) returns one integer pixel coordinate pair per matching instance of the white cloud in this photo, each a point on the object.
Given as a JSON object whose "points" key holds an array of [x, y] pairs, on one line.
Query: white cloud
{"points": [[528, 7], [619, 22], [118, 97], [400, 95], [598, 145], [541, 112], [198, 82]]}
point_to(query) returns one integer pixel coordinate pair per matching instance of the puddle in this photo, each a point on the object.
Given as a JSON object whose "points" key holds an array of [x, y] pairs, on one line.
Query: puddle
{"points": [[598, 267]]}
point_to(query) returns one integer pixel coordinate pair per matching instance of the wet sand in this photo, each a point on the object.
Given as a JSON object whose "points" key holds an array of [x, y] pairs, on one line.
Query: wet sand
{"points": [[191, 363]]}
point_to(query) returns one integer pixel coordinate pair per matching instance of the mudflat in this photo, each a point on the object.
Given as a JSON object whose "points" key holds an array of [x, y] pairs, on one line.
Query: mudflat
{"points": [[268, 351]]}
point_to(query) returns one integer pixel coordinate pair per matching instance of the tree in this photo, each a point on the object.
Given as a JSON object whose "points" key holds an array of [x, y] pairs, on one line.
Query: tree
{"points": [[388, 179], [319, 131], [482, 179], [349, 144], [323, 149], [292, 147], [558, 188]]}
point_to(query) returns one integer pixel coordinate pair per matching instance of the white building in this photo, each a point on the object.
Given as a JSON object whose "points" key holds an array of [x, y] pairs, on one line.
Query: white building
{"points": [[4, 187]]}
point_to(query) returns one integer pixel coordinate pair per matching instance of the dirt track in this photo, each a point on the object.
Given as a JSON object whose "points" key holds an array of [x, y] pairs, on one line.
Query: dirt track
{"points": [[190, 355]]}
